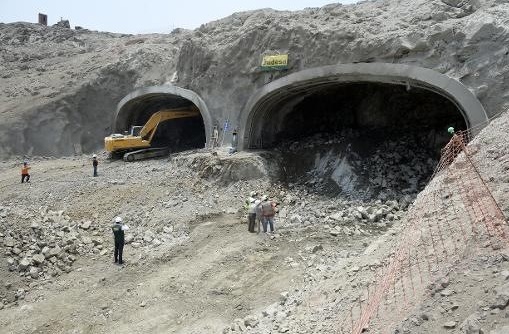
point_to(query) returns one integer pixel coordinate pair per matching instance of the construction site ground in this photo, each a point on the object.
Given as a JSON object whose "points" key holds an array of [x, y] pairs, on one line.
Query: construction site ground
{"points": [[218, 273], [192, 267]]}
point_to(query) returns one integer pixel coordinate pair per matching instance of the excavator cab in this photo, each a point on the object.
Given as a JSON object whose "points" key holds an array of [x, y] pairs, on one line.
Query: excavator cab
{"points": [[135, 130]]}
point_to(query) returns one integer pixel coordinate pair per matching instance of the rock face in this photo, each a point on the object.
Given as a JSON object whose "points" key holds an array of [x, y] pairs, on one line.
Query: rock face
{"points": [[61, 81]]}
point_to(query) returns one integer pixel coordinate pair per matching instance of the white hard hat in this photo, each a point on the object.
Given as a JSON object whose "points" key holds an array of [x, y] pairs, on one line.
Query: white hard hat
{"points": [[265, 197], [252, 193], [252, 200], [257, 202], [118, 219], [94, 156]]}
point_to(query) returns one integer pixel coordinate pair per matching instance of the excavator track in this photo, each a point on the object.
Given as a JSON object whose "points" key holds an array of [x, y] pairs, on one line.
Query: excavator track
{"points": [[146, 153]]}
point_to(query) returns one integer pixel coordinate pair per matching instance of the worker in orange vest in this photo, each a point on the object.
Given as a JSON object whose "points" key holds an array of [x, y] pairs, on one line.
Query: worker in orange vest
{"points": [[24, 172]]}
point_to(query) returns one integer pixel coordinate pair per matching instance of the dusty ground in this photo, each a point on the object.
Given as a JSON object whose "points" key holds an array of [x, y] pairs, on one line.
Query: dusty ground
{"points": [[191, 265], [199, 283]]}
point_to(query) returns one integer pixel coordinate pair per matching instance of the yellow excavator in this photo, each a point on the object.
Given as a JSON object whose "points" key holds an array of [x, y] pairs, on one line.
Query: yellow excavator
{"points": [[137, 144]]}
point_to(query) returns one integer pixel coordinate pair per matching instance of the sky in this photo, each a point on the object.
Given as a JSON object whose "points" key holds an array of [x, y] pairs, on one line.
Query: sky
{"points": [[140, 16]]}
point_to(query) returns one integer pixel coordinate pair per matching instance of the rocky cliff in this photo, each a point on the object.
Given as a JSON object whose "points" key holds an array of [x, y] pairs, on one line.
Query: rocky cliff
{"points": [[60, 87]]}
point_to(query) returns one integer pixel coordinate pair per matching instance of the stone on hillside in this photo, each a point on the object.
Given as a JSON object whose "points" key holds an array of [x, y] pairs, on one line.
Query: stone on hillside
{"points": [[450, 324], [86, 240], [296, 219], [54, 251], [471, 325], [502, 297], [45, 252], [148, 236], [338, 216], [353, 269], [39, 259], [23, 264], [446, 292], [9, 242], [34, 272], [251, 321], [363, 212], [317, 248], [86, 225], [283, 297]]}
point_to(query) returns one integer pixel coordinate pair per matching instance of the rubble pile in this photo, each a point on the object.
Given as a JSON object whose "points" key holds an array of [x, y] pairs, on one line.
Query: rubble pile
{"points": [[50, 245], [359, 166]]}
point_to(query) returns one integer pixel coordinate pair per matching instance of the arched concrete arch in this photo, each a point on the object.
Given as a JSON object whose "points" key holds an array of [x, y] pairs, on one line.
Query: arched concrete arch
{"points": [[147, 95], [296, 84]]}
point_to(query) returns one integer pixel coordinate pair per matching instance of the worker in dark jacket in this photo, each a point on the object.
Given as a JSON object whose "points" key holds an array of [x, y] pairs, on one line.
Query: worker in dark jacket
{"points": [[94, 164], [118, 232]]}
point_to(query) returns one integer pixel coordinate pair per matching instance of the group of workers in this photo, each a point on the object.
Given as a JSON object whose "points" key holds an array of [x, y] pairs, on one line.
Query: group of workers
{"points": [[261, 211]]}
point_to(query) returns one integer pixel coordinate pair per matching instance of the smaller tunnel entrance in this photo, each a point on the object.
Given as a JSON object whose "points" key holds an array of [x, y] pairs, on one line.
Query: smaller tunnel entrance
{"points": [[178, 134]]}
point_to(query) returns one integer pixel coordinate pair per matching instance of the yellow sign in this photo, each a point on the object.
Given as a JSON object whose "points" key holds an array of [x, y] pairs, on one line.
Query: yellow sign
{"points": [[277, 62]]}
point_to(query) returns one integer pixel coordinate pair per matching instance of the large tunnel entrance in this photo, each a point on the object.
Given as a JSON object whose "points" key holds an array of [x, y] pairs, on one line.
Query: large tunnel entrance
{"points": [[371, 108], [357, 134], [177, 134]]}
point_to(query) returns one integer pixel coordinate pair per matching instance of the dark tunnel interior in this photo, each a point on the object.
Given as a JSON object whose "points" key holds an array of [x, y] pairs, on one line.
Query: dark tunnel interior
{"points": [[372, 108], [368, 140], [177, 134]]}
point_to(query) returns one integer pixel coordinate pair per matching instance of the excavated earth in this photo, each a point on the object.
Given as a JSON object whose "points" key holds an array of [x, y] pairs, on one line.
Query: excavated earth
{"points": [[191, 266]]}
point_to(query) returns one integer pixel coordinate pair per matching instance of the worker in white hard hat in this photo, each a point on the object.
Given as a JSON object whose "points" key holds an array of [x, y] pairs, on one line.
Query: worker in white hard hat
{"points": [[95, 163], [251, 215], [118, 233]]}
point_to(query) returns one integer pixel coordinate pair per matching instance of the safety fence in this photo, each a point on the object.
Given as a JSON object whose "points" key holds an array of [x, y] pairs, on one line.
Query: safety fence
{"points": [[453, 217]]}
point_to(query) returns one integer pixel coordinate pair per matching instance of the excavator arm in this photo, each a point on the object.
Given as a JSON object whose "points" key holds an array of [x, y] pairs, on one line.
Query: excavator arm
{"points": [[149, 129], [129, 143]]}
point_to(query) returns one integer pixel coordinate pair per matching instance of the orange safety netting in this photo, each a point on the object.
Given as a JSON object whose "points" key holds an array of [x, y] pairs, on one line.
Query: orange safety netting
{"points": [[455, 215]]}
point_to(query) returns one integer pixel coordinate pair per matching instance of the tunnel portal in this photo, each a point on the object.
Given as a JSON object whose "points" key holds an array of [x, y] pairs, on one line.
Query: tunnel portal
{"points": [[369, 95], [178, 134], [366, 131]]}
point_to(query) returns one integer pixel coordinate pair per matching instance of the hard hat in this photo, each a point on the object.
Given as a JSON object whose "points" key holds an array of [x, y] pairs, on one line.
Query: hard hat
{"points": [[450, 130], [257, 202], [252, 200], [94, 156], [265, 197], [118, 219], [252, 193]]}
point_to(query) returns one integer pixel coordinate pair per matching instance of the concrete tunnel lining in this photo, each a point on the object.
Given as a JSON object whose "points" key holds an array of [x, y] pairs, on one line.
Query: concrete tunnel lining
{"points": [[144, 94], [279, 90]]}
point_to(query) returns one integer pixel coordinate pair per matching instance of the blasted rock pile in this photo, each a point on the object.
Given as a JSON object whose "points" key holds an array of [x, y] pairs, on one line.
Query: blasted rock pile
{"points": [[352, 165]]}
